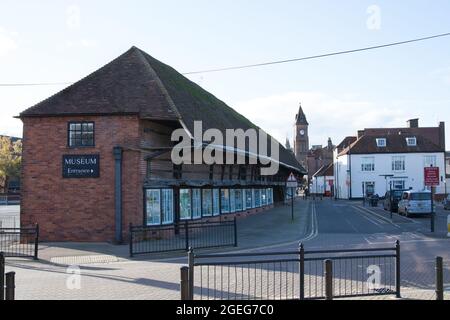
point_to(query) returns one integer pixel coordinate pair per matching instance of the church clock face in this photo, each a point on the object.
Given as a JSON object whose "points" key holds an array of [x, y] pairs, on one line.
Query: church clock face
{"points": [[302, 132]]}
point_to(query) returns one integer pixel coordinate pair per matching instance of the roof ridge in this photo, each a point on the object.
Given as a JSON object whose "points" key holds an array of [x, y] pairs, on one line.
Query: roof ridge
{"points": [[158, 81]]}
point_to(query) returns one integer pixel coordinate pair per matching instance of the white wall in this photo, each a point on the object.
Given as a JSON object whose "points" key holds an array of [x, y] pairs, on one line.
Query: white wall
{"points": [[414, 171], [341, 175], [321, 185]]}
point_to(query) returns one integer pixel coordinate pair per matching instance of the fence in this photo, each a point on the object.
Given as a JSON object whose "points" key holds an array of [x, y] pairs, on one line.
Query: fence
{"points": [[293, 275], [20, 242], [7, 281], [181, 237]]}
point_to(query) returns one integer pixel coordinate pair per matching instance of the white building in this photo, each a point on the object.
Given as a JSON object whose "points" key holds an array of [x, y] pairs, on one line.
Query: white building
{"points": [[322, 182], [377, 159]]}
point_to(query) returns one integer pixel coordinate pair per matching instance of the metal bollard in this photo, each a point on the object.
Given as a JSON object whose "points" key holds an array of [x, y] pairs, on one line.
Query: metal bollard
{"points": [[191, 258], [10, 286], [328, 279], [439, 278], [184, 284]]}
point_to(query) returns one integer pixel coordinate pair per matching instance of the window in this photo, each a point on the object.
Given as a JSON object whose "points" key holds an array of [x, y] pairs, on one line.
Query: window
{"points": [[411, 142], [381, 142], [238, 200], [81, 134], [398, 185], [270, 196], [368, 164], [263, 197], [207, 203], [257, 198], [232, 200], [249, 199], [225, 200], [369, 188], [149, 169], [253, 199], [216, 202], [167, 206], [185, 204], [153, 207], [196, 203], [430, 161], [398, 164]]}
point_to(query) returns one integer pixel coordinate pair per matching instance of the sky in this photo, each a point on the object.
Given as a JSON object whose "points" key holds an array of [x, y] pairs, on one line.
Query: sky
{"points": [[63, 41]]}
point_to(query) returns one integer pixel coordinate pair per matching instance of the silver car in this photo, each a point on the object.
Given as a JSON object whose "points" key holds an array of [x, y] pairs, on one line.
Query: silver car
{"points": [[417, 203]]}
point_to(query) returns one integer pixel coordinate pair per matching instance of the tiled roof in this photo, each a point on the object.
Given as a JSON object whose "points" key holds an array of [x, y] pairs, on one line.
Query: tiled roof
{"points": [[395, 143], [136, 83]]}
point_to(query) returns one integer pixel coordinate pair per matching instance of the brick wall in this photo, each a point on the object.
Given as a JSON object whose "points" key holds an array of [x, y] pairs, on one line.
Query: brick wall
{"points": [[78, 209]]}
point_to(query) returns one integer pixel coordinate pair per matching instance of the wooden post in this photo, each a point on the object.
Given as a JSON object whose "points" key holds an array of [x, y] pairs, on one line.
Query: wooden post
{"points": [[184, 284], [10, 286], [328, 279], [439, 278]]}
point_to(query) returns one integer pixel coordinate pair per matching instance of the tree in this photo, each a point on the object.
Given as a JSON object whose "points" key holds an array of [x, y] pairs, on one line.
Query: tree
{"points": [[10, 160]]}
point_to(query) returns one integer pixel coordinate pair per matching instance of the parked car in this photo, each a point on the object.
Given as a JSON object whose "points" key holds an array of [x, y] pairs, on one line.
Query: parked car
{"points": [[413, 202], [447, 203], [391, 200]]}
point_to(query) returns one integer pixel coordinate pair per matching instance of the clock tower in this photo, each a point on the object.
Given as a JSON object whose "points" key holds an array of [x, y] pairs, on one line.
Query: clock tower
{"points": [[301, 138]]}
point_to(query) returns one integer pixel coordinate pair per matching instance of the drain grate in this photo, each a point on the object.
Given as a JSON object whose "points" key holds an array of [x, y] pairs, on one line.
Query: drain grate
{"points": [[81, 260]]}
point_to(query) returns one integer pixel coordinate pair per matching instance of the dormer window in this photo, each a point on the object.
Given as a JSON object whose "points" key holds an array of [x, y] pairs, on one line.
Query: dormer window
{"points": [[381, 142], [411, 141]]}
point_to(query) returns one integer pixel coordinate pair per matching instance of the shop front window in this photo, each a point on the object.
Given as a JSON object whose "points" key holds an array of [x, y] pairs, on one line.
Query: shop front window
{"points": [[207, 203], [249, 198], [238, 199], [263, 197], [257, 198], [196, 203], [232, 201], [167, 206], [216, 202], [153, 207], [185, 204], [225, 200]]}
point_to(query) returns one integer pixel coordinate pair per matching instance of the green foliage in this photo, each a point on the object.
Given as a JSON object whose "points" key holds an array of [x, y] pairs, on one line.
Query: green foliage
{"points": [[10, 160]]}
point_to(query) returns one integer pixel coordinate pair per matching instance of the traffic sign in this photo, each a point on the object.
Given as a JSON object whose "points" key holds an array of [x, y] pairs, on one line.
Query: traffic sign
{"points": [[432, 177], [292, 182]]}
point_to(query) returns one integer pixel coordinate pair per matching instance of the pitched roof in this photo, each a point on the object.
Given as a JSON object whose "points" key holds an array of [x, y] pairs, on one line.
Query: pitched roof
{"points": [[300, 118], [326, 171], [395, 143], [136, 83]]}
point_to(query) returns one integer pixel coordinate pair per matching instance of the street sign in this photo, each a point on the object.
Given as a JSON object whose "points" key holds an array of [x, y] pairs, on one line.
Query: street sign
{"points": [[432, 177], [292, 182], [81, 166]]}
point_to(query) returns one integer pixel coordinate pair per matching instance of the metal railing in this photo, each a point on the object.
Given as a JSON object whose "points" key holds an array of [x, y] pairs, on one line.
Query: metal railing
{"points": [[20, 242], [7, 281], [293, 275], [181, 237]]}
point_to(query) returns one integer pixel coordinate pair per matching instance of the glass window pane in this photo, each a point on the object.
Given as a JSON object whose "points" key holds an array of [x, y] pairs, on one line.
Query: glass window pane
{"points": [[216, 202], [257, 198], [249, 198], [207, 203], [196, 203], [238, 199], [167, 206], [185, 204], [225, 200], [263, 197], [232, 201], [153, 207]]}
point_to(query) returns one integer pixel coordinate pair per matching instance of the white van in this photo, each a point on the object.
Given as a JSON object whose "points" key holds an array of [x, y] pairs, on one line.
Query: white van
{"points": [[415, 202]]}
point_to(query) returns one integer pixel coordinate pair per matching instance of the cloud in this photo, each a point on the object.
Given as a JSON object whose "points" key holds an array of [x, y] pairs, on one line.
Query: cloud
{"points": [[7, 42], [328, 116]]}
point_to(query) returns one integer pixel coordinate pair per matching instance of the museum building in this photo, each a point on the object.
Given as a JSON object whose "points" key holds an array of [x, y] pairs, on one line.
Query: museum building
{"points": [[97, 156]]}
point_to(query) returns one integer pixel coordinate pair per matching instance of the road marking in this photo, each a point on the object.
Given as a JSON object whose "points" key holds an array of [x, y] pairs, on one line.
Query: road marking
{"points": [[370, 219], [380, 217]]}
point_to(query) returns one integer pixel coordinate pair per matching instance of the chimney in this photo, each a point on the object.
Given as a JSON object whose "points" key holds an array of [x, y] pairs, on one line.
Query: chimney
{"points": [[442, 135], [413, 123]]}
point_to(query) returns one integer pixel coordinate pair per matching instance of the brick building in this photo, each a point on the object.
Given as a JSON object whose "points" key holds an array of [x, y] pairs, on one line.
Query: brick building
{"points": [[97, 156]]}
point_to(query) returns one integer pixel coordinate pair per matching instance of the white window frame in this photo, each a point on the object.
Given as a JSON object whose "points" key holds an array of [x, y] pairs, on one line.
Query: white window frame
{"points": [[381, 142], [396, 160], [428, 163], [411, 141], [368, 164]]}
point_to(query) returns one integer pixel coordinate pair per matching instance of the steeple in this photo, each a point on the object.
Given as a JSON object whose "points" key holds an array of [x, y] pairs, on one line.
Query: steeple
{"points": [[300, 118], [288, 145]]}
